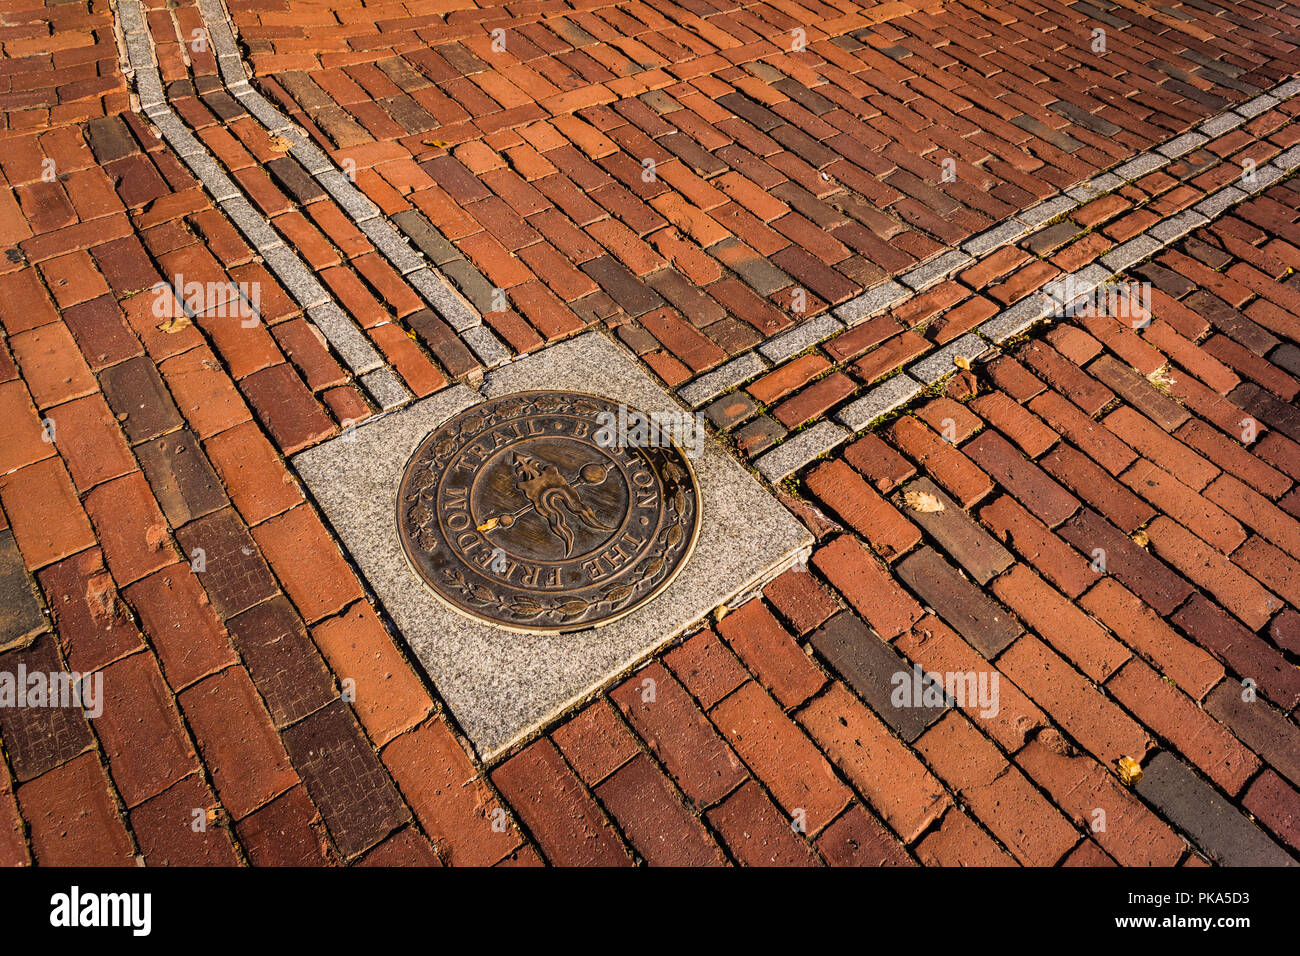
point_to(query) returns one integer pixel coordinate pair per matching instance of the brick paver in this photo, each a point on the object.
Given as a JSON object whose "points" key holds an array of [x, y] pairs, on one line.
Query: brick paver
{"points": [[1099, 513]]}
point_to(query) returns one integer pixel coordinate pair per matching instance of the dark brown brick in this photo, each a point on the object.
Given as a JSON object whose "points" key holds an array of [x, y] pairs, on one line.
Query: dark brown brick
{"points": [[140, 400], [345, 779], [181, 477], [38, 738], [285, 665], [234, 574]]}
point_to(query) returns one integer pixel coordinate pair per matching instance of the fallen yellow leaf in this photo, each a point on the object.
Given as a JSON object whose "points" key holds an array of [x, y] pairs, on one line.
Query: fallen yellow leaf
{"points": [[923, 502], [1130, 771], [175, 324]]}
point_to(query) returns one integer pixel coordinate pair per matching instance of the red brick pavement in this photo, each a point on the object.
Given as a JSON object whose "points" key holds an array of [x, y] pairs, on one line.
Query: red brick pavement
{"points": [[1121, 537]]}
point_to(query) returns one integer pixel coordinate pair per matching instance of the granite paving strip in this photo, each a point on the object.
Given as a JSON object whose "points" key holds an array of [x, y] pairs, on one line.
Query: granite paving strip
{"points": [[1020, 317], [428, 282], [1048, 209], [347, 340]]}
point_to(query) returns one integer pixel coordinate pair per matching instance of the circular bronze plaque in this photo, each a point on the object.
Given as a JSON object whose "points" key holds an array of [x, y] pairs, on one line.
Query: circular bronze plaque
{"points": [[547, 511]]}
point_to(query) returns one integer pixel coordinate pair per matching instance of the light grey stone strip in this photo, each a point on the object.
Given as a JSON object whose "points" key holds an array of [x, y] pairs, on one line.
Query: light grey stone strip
{"points": [[995, 237], [342, 333], [1264, 177], [255, 228], [1176, 226], [793, 453], [1095, 187], [387, 390], [879, 400], [936, 270], [1260, 104], [1289, 160], [1131, 252], [393, 247], [1069, 289], [1215, 205], [874, 300], [1014, 321], [260, 108], [712, 384], [1047, 211], [1182, 145], [354, 203], [299, 281], [444, 298], [347, 341], [1222, 123], [808, 333], [390, 242], [1140, 165], [1024, 314], [483, 342], [943, 362]]}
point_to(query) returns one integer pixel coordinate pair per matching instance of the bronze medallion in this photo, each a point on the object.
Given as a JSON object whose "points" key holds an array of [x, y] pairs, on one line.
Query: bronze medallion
{"points": [[532, 512]]}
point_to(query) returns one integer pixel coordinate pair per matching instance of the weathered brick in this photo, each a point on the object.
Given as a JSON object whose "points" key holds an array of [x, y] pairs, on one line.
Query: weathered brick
{"points": [[180, 477], [679, 734], [147, 748], [237, 741], [707, 667], [283, 662], [570, 827], [1146, 632], [1042, 496], [956, 532], [965, 607], [1060, 623], [798, 776], [896, 784], [854, 573], [1137, 570], [847, 495], [73, 818], [756, 832], [233, 573], [286, 832], [652, 816], [308, 563], [1219, 829], [856, 838], [132, 531], [388, 697], [1085, 714], [345, 779], [38, 738], [875, 670], [595, 742], [1133, 834], [771, 653], [1174, 716], [996, 791]]}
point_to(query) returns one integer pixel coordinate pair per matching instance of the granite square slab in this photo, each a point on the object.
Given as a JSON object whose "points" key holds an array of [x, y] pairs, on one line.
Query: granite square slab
{"points": [[503, 686]]}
